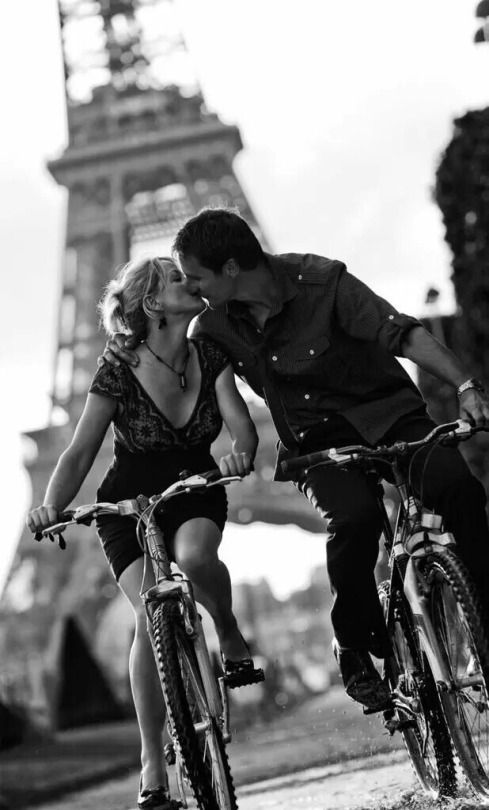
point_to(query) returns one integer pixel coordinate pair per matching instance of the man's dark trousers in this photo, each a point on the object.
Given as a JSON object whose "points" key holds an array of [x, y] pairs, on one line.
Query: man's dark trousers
{"points": [[347, 501]]}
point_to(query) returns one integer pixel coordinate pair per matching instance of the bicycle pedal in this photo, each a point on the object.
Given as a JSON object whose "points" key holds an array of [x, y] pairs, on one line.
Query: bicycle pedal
{"points": [[393, 724], [380, 707], [237, 679]]}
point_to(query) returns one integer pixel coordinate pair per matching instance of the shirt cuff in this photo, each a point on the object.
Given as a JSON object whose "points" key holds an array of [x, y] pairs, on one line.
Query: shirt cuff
{"points": [[394, 330]]}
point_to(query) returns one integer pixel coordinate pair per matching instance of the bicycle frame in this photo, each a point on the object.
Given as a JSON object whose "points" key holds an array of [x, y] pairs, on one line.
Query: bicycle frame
{"points": [[168, 587]]}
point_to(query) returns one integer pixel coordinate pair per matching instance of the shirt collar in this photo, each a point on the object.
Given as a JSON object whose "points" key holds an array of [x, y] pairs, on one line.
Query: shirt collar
{"points": [[281, 273]]}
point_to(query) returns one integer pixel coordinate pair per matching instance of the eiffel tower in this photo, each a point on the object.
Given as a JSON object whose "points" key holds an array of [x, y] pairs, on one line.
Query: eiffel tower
{"points": [[144, 153]]}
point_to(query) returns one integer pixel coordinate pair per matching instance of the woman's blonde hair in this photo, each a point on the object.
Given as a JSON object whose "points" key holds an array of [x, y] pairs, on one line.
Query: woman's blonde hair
{"points": [[122, 307]]}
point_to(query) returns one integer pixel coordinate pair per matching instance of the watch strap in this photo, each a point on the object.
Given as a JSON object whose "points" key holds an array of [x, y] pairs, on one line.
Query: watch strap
{"points": [[473, 382]]}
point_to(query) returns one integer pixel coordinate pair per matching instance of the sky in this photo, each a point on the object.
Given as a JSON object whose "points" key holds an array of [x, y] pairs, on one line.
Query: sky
{"points": [[344, 109]]}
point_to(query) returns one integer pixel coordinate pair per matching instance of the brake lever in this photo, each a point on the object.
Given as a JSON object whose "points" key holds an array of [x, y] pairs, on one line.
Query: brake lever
{"points": [[52, 536], [225, 480]]}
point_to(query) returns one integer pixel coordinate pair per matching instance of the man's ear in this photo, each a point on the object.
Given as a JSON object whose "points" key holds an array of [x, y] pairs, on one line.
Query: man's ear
{"points": [[230, 268]]}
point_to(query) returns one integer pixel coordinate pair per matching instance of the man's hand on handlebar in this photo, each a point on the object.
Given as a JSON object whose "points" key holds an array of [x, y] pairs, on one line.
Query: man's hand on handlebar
{"points": [[119, 348], [41, 518], [474, 407], [235, 464]]}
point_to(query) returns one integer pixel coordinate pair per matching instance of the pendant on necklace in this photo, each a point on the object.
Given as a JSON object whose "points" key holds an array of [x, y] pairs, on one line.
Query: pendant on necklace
{"points": [[183, 382]]}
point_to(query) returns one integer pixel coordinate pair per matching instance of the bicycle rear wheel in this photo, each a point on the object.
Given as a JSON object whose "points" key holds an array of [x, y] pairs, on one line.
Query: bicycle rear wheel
{"points": [[456, 617], [418, 713], [198, 740]]}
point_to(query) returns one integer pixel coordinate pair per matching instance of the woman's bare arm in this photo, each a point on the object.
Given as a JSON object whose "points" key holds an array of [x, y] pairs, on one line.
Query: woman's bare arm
{"points": [[75, 462]]}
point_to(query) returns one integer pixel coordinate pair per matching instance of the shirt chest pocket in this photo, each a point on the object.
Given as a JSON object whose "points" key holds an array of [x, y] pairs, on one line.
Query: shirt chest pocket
{"points": [[302, 358]]}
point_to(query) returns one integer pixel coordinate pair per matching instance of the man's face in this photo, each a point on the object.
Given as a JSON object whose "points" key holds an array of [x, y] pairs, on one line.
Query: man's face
{"points": [[215, 288]]}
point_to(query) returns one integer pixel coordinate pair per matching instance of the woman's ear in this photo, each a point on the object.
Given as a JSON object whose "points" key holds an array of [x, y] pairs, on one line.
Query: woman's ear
{"points": [[151, 306]]}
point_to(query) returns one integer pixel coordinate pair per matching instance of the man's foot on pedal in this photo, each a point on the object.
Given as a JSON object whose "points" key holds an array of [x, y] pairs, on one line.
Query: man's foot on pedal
{"points": [[156, 798], [361, 680]]}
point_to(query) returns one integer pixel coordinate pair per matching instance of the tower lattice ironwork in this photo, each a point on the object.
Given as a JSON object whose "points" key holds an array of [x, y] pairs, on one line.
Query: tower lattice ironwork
{"points": [[143, 154]]}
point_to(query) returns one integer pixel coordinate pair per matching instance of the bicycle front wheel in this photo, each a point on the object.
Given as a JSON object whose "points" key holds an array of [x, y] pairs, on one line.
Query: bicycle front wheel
{"points": [[197, 735], [418, 714], [456, 618]]}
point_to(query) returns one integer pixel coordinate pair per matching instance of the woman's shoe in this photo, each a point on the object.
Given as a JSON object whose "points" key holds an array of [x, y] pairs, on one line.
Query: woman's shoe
{"points": [[156, 798], [241, 672]]}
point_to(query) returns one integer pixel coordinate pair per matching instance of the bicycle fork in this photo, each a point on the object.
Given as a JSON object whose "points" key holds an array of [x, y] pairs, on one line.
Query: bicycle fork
{"points": [[417, 596], [216, 695]]}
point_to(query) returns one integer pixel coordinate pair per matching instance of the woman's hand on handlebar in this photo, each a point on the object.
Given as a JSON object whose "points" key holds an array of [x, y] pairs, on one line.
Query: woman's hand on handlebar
{"points": [[235, 464], [42, 517]]}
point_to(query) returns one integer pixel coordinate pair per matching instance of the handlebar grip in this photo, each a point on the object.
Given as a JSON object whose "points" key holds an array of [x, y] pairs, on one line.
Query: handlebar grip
{"points": [[300, 462]]}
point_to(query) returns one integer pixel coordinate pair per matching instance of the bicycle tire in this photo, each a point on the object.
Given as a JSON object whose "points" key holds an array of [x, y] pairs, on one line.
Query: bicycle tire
{"points": [[204, 757], [456, 617], [425, 735]]}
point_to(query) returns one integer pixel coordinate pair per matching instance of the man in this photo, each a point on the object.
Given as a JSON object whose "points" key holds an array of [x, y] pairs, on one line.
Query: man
{"points": [[321, 348]]}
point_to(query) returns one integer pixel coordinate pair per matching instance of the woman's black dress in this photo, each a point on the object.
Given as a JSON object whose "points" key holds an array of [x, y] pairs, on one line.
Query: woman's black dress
{"points": [[149, 454]]}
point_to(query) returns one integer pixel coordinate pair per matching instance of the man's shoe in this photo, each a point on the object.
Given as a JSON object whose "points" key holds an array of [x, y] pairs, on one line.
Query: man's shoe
{"points": [[361, 680]]}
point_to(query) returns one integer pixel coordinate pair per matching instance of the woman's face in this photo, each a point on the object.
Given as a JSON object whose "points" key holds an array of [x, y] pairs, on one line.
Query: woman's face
{"points": [[174, 294]]}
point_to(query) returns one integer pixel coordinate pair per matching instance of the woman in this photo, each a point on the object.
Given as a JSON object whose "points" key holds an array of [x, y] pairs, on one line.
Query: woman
{"points": [[165, 415]]}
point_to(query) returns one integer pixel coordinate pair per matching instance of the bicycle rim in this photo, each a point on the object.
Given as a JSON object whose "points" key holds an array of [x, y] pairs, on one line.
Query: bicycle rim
{"points": [[423, 729], [197, 736], [456, 618]]}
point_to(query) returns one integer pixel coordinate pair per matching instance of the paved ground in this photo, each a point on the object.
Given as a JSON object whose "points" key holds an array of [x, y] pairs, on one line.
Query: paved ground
{"points": [[379, 782], [327, 730], [357, 784]]}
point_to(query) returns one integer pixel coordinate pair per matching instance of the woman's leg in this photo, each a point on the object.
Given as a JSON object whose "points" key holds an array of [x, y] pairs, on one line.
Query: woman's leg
{"points": [[195, 547], [145, 684]]}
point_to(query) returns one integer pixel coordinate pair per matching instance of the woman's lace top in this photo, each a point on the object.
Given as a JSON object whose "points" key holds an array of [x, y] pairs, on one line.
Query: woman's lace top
{"points": [[139, 425]]}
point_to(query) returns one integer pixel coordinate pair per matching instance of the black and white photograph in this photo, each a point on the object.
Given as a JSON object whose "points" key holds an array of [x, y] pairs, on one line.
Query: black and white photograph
{"points": [[245, 408]]}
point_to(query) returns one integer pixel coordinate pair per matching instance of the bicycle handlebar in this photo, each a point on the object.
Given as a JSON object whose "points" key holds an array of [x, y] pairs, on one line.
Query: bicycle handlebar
{"points": [[85, 514], [451, 431]]}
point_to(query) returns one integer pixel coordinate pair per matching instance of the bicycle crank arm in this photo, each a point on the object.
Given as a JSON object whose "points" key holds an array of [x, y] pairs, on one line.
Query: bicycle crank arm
{"points": [[226, 731]]}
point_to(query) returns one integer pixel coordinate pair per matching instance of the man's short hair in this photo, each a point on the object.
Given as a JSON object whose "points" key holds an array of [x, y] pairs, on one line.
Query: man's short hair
{"points": [[215, 235]]}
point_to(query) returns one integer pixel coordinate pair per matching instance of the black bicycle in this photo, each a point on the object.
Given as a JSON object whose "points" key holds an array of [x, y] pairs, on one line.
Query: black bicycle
{"points": [[196, 701], [438, 672]]}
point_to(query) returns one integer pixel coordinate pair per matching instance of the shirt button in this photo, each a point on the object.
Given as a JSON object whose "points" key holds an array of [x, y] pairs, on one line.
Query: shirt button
{"points": [[240, 364], [311, 351], [301, 434], [325, 418], [391, 317], [274, 357], [307, 396], [300, 278]]}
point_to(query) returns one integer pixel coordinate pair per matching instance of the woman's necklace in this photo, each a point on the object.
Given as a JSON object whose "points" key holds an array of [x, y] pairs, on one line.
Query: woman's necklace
{"points": [[180, 374]]}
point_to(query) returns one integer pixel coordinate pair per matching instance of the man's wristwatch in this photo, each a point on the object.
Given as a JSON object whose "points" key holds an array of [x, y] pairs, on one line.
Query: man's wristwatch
{"points": [[473, 382]]}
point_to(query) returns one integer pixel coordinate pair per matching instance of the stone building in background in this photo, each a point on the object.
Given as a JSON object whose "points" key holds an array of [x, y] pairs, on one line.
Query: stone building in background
{"points": [[143, 154]]}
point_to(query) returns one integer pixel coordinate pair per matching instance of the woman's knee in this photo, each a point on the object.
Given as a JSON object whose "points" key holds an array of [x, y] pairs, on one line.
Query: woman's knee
{"points": [[195, 561], [196, 546]]}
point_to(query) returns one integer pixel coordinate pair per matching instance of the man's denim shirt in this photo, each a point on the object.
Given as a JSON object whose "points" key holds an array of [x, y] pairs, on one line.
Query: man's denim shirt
{"points": [[328, 347]]}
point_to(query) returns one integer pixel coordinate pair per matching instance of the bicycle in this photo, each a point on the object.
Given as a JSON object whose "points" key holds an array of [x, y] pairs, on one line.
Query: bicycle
{"points": [[197, 702], [438, 672]]}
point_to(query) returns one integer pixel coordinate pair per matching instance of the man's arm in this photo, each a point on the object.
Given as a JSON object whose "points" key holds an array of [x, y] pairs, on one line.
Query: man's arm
{"points": [[119, 348], [432, 356], [239, 424]]}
